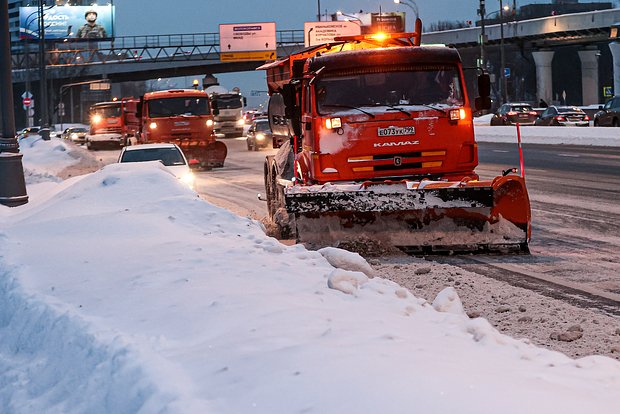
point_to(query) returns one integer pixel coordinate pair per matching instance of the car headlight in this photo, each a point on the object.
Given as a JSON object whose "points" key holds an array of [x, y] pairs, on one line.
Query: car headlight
{"points": [[189, 179], [74, 135], [260, 137]]}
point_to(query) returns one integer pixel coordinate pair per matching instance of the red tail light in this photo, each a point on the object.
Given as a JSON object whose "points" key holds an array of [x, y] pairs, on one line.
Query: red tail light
{"points": [[533, 113], [560, 118], [586, 118], [511, 113]]}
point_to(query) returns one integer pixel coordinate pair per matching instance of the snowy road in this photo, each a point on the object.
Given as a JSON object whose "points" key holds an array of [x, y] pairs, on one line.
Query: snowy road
{"points": [[576, 214]]}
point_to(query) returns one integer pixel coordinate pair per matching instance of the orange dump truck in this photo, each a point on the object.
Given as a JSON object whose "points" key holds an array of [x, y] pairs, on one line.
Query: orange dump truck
{"points": [[183, 117], [112, 123], [382, 148]]}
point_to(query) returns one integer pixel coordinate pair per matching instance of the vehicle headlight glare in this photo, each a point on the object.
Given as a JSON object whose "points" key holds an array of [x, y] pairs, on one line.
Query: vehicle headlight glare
{"points": [[73, 135], [96, 119], [189, 179], [260, 137], [241, 122], [209, 122], [333, 123], [153, 125]]}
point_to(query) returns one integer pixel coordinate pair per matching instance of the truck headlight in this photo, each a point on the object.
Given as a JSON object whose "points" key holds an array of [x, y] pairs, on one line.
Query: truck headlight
{"points": [[153, 125], [96, 119], [209, 122], [240, 122], [332, 123]]}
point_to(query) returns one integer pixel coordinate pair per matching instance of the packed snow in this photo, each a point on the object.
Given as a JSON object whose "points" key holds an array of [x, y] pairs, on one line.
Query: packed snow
{"points": [[125, 292]]}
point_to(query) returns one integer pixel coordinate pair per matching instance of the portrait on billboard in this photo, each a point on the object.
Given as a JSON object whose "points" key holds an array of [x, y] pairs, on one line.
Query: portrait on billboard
{"points": [[68, 22]]}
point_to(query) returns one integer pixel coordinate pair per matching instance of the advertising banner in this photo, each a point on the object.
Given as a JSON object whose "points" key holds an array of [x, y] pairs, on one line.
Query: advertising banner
{"points": [[68, 22]]}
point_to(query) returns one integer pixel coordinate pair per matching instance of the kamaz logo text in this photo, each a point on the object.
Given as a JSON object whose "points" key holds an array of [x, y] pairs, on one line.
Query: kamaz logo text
{"points": [[395, 144]]}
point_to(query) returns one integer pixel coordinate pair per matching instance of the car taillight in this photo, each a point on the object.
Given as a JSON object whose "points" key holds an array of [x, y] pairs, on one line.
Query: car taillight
{"points": [[533, 113], [586, 118], [511, 113], [560, 118]]}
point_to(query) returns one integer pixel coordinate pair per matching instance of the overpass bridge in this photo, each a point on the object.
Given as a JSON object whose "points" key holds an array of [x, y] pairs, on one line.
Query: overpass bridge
{"points": [[542, 56]]}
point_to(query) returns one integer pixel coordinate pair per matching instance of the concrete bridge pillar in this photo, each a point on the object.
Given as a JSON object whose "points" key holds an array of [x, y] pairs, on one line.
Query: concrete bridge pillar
{"points": [[615, 53], [589, 75], [544, 79]]}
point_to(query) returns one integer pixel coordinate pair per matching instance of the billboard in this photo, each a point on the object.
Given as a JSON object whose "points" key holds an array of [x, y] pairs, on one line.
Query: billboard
{"points": [[68, 22]]}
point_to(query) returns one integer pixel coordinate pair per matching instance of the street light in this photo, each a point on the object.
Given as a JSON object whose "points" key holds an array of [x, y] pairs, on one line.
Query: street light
{"points": [[503, 8], [339, 13], [12, 182], [411, 4]]}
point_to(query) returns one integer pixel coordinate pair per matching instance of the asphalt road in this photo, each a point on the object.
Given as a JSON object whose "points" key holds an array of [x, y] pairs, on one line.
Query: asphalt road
{"points": [[575, 199]]}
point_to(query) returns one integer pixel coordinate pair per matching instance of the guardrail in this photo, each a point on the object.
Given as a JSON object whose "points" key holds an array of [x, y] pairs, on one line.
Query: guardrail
{"points": [[132, 49]]}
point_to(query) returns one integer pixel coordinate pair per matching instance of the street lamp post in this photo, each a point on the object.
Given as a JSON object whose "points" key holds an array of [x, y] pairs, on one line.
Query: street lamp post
{"points": [[482, 12], [12, 182], [501, 52], [44, 131], [359, 21], [411, 4]]}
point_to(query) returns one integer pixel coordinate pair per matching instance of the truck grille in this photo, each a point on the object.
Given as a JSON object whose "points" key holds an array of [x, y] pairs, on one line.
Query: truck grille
{"points": [[396, 162]]}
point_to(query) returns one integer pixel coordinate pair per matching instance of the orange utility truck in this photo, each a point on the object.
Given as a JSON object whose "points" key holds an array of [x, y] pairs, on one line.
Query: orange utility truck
{"points": [[382, 148], [113, 123], [183, 117]]}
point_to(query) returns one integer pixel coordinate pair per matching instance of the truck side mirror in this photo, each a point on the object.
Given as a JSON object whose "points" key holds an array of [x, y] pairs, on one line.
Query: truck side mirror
{"points": [[483, 101], [214, 108]]}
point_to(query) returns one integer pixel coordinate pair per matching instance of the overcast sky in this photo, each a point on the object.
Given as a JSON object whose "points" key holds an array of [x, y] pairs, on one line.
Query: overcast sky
{"points": [[204, 16]]}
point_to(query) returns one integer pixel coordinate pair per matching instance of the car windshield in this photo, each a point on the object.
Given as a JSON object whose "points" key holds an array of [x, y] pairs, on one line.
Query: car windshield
{"points": [[521, 108], [168, 156], [106, 111], [79, 130], [564, 110], [186, 106], [373, 86], [262, 126], [228, 101]]}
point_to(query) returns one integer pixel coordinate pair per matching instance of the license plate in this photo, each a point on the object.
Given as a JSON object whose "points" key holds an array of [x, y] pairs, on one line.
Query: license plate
{"points": [[393, 131]]}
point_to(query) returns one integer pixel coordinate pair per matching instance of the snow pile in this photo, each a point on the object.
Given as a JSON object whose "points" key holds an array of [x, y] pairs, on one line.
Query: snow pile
{"points": [[124, 292]]}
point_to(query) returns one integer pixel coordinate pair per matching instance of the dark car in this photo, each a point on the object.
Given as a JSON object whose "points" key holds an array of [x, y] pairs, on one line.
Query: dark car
{"points": [[512, 113], [259, 135], [609, 115], [27, 132], [563, 116]]}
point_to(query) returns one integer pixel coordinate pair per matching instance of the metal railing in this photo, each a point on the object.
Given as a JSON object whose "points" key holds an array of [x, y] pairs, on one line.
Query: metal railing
{"points": [[132, 49]]}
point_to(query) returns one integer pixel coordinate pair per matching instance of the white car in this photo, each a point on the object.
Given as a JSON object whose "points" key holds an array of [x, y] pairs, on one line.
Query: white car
{"points": [[168, 154]]}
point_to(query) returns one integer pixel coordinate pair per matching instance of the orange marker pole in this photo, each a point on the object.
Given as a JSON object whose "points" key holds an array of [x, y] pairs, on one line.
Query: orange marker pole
{"points": [[520, 151]]}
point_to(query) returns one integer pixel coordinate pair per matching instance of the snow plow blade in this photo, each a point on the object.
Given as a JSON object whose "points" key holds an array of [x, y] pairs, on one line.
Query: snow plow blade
{"points": [[417, 217], [209, 156]]}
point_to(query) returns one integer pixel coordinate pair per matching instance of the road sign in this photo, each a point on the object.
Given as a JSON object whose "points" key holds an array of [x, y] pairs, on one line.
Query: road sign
{"points": [[26, 102], [237, 56], [608, 91], [247, 37], [506, 72], [318, 33], [27, 94]]}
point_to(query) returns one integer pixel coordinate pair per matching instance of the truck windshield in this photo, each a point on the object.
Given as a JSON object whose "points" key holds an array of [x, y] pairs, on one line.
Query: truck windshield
{"points": [[228, 101], [186, 106], [367, 87], [106, 111]]}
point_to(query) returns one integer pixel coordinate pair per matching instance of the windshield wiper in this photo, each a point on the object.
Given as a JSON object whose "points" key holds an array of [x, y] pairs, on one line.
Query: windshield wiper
{"points": [[431, 107], [395, 108], [350, 107]]}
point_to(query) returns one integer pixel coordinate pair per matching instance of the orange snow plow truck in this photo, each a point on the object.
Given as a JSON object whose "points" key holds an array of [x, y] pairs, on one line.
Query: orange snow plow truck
{"points": [[183, 117], [382, 149]]}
